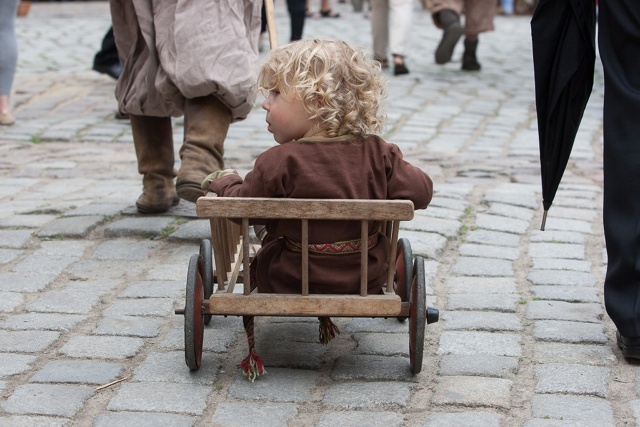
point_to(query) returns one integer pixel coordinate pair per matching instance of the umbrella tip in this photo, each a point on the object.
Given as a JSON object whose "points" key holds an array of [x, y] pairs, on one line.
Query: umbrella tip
{"points": [[544, 220]]}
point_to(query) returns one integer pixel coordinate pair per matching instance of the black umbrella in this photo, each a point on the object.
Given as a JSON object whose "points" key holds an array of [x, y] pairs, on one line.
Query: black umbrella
{"points": [[563, 33]]}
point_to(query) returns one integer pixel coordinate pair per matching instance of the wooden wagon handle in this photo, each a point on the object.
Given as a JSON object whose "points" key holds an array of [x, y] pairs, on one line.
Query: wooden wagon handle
{"points": [[271, 23]]}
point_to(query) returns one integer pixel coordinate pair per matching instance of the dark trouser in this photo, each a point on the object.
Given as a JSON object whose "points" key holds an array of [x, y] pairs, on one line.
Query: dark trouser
{"points": [[619, 32], [297, 13], [108, 54]]}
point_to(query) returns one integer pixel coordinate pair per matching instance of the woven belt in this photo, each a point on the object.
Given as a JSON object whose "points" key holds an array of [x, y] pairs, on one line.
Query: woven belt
{"points": [[336, 248]]}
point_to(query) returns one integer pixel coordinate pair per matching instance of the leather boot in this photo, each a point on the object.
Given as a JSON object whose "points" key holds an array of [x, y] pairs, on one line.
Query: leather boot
{"points": [[469, 60], [206, 122], [452, 31], [153, 140]]}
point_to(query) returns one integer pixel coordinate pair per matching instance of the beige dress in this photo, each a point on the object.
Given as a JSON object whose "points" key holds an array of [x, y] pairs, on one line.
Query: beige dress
{"points": [[338, 168], [176, 49]]}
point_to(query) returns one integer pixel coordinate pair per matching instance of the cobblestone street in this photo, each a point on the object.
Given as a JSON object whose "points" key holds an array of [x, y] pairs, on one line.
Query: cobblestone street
{"points": [[88, 287]]}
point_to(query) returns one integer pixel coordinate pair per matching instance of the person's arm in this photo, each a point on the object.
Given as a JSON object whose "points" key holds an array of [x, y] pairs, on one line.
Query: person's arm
{"points": [[406, 181]]}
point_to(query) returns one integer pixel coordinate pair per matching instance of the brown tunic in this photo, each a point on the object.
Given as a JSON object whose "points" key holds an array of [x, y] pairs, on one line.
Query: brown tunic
{"points": [[332, 168]]}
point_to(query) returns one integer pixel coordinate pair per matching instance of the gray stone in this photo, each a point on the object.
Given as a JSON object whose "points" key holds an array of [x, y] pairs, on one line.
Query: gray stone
{"points": [[67, 301], [26, 281], [27, 341], [47, 322], [278, 385], [561, 310], [556, 250], [170, 367], [129, 326], [161, 397], [495, 238], [478, 365], [74, 227], [140, 307], [571, 294], [143, 419], [560, 224], [557, 236], [561, 264], [78, 372], [560, 277], [458, 419], [33, 421], [124, 250], [372, 368], [194, 231], [510, 211], [480, 321], [107, 347], [445, 227], [501, 223], [12, 364], [570, 332], [8, 255], [364, 324], [145, 227], [16, 239], [481, 301], [486, 285], [102, 209], [486, 267], [428, 245], [359, 419], [382, 344], [473, 392], [47, 399], [368, 395], [9, 301], [488, 251], [470, 343], [232, 414], [153, 289], [587, 410], [584, 354], [573, 379]]}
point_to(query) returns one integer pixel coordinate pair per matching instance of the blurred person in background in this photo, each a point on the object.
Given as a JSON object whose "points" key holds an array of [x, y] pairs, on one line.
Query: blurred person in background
{"points": [[8, 57]]}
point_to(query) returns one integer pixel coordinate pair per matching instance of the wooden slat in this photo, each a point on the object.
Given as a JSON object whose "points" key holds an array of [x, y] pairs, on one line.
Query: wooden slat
{"points": [[311, 305], [245, 256], [232, 207], [395, 228], [364, 256], [305, 256]]}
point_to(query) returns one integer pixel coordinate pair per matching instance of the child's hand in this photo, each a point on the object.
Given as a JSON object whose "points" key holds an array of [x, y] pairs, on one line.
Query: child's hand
{"points": [[217, 174]]}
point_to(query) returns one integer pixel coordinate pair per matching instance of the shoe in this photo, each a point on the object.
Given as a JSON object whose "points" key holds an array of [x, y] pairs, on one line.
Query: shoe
{"points": [[113, 70], [384, 64], [7, 119], [399, 68], [469, 60], [329, 14], [450, 36], [630, 346], [121, 116]]}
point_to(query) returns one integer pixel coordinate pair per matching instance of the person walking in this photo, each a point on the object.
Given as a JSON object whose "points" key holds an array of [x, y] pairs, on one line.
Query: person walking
{"points": [[446, 14], [197, 60], [8, 58], [391, 28]]}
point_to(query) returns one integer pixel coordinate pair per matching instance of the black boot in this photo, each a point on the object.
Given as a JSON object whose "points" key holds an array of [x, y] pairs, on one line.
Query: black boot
{"points": [[469, 60], [450, 22]]}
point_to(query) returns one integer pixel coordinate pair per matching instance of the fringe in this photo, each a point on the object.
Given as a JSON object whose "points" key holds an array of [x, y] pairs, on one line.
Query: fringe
{"points": [[327, 330]]}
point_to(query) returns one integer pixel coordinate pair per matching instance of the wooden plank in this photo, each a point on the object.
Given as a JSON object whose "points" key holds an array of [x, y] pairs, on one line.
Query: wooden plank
{"points": [[232, 207], [311, 305], [364, 256]]}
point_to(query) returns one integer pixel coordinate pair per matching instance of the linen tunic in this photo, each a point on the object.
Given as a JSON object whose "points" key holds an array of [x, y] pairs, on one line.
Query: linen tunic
{"points": [[332, 168]]}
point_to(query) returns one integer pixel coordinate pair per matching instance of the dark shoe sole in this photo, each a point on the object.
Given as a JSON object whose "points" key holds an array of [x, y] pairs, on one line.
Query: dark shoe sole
{"points": [[450, 38], [189, 191], [400, 69], [629, 351]]}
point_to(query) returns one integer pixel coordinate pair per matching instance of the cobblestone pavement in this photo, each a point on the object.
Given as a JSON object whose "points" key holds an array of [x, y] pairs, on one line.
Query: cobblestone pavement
{"points": [[88, 288]]}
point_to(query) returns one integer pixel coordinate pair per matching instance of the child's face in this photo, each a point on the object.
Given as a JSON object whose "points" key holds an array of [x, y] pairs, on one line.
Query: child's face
{"points": [[287, 120]]}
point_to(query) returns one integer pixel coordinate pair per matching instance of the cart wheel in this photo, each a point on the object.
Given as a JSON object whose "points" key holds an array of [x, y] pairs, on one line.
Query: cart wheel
{"points": [[193, 318], [404, 270], [207, 272], [417, 314]]}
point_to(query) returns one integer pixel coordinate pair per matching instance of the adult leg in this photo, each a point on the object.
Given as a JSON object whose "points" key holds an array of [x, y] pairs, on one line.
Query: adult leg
{"points": [[619, 50], [446, 15], [297, 14], [153, 141], [400, 12], [206, 122], [8, 57], [479, 16], [380, 30]]}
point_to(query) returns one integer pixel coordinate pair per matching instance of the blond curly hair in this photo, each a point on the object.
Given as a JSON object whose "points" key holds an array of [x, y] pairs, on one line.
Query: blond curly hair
{"points": [[339, 85]]}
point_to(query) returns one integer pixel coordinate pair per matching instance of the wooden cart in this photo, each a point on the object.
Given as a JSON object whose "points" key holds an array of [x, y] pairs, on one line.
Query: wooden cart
{"points": [[211, 293]]}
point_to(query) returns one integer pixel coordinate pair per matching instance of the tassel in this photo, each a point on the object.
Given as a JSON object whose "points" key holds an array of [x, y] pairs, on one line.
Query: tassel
{"points": [[252, 365], [327, 330]]}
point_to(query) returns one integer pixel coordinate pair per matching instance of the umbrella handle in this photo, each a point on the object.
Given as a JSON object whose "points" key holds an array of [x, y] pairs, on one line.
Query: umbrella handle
{"points": [[544, 220], [271, 23]]}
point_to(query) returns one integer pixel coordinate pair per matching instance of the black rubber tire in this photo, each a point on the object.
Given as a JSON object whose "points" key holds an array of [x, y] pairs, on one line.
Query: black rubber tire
{"points": [[206, 252], [193, 317], [404, 271], [417, 316]]}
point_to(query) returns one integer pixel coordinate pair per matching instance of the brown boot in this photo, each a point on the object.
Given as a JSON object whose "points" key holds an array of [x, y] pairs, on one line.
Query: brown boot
{"points": [[469, 60], [206, 122], [153, 140]]}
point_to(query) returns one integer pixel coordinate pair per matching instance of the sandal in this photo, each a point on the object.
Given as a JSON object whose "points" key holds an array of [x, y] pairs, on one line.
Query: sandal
{"points": [[399, 68], [329, 14]]}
